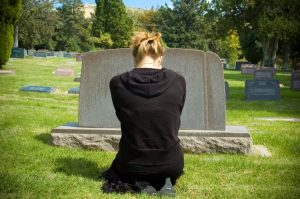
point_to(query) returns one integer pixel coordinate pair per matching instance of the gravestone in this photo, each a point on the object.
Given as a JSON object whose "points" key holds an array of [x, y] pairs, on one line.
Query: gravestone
{"points": [[263, 74], [78, 57], [248, 69], [59, 53], [67, 55], [295, 80], [270, 69], [238, 64], [40, 89], [42, 54], [31, 52], [227, 90], [64, 72], [203, 118], [50, 54], [18, 53], [7, 72], [262, 90], [74, 90], [77, 79]]}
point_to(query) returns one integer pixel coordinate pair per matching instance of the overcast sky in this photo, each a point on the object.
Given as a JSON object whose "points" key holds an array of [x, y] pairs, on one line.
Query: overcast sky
{"points": [[146, 4]]}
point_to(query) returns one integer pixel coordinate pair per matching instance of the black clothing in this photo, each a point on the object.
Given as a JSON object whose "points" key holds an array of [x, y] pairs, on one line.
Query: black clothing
{"points": [[148, 103]]}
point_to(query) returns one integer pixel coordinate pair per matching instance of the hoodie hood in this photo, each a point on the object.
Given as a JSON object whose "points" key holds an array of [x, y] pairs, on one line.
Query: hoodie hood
{"points": [[148, 82]]}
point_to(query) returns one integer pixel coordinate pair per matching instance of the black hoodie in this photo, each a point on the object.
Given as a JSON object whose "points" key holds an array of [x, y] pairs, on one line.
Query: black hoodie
{"points": [[148, 103]]}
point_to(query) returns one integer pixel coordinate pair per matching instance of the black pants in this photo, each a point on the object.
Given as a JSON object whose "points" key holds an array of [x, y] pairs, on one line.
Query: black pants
{"points": [[120, 173]]}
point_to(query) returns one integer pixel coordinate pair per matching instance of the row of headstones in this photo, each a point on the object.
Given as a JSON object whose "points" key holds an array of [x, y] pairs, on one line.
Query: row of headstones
{"points": [[21, 53]]}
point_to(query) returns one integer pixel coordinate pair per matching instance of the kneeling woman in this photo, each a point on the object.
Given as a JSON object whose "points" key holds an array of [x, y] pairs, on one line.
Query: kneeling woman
{"points": [[148, 101]]}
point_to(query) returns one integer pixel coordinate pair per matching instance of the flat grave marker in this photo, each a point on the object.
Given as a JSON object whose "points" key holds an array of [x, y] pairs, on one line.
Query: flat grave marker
{"points": [[74, 90], [40, 89], [7, 72], [262, 90], [64, 72]]}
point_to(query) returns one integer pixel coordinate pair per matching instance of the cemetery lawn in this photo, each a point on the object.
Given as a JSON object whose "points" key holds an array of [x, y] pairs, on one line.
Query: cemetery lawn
{"points": [[30, 167]]}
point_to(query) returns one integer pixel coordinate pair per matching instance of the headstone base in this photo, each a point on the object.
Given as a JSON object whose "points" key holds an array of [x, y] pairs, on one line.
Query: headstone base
{"points": [[236, 139]]}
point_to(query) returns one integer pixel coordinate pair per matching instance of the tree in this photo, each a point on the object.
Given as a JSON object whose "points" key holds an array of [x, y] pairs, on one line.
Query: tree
{"points": [[37, 25], [73, 29], [271, 21], [232, 47], [9, 13], [111, 18], [183, 26]]}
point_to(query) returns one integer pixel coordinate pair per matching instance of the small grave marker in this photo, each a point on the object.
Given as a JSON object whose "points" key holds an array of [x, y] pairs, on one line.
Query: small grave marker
{"points": [[50, 54], [78, 57], [77, 79], [40, 89], [238, 64], [7, 72], [295, 80], [262, 90], [74, 90], [64, 72]]}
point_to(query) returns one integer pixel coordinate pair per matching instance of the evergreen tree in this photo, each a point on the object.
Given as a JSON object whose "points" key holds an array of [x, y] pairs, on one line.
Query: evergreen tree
{"points": [[73, 28], [111, 19], [9, 13], [183, 26]]}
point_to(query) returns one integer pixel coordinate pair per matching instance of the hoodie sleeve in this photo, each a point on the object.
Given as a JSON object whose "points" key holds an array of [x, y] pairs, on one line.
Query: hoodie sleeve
{"points": [[113, 86], [183, 85]]}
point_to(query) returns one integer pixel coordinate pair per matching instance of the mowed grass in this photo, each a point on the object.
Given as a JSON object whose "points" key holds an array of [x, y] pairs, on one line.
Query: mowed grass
{"points": [[30, 167]]}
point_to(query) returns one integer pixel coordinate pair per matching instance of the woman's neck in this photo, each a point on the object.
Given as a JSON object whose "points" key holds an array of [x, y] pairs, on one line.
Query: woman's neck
{"points": [[149, 62]]}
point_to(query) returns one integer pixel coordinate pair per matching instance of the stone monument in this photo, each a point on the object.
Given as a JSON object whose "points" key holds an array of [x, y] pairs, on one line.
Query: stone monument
{"points": [[64, 72], [18, 53], [295, 80], [203, 118], [248, 69]]}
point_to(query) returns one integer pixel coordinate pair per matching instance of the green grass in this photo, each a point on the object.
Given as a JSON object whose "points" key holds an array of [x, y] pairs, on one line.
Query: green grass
{"points": [[31, 168]]}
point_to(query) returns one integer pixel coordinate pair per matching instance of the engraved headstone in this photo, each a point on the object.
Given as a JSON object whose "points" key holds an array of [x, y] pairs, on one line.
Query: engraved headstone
{"points": [[18, 53], [262, 90], [42, 54], [64, 72], [263, 74], [67, 55], [295, 80], [238, 64], [202, 120], [59, 53], [39, 89]]}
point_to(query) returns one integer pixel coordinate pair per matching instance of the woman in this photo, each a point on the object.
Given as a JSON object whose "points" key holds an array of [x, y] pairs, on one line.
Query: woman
{"points": [[148, 101]]}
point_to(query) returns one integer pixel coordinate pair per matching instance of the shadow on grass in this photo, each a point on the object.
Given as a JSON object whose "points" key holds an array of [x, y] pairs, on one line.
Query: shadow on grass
{"points": [[44, 137], [79, 167]]}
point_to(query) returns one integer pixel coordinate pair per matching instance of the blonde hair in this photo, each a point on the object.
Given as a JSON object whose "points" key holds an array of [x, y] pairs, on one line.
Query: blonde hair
{"points": [[146, 44]]}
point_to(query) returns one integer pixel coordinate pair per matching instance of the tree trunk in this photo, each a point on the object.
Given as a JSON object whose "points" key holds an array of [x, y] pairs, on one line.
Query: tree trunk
{"points": [[286, 56], [270, 48], [16, 36]]}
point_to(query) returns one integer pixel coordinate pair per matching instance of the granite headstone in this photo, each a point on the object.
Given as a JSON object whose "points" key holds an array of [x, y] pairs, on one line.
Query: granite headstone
{"points": [[262, 90], [64, 72], [18, 53], [263, 74]]}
